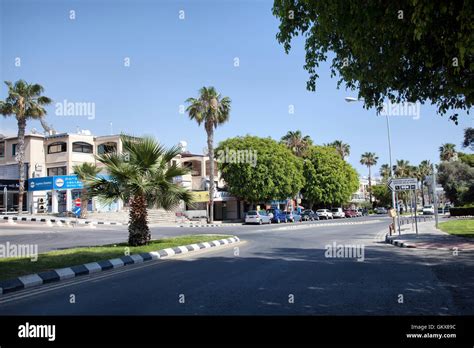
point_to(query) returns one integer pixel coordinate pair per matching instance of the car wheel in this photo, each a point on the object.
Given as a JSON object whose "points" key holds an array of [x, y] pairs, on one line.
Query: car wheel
{"points": [[260, 222], [278, 221]]}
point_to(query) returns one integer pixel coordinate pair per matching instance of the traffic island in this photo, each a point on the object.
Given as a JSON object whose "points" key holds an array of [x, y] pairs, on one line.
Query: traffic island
{"points": [[54, 266]]}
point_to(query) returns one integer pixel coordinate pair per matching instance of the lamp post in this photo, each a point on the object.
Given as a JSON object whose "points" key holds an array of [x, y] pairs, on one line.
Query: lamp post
{"points": [[352, 99]]}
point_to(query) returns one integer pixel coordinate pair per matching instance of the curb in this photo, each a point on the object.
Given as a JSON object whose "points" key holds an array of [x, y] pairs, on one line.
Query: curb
{"points": [[212, 225], [60, 220], [31, 280], [398, 243]]}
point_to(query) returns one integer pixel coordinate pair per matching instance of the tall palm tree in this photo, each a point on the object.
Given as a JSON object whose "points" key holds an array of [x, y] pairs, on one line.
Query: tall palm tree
{"points": [[211, 110], [423, 170], [143, 176], [402, 169], [26, 102], [385, 171], [343, 149], [84, 171], [447, 152], [296, 142], [369, 159]]}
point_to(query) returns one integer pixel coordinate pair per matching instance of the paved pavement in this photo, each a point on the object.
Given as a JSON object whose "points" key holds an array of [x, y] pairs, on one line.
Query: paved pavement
{"points": [[429, 237], [274, 271]]}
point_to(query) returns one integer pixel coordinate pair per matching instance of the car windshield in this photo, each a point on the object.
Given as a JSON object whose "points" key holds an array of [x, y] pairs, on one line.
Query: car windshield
{"points": [[428, 206], [321, 210], [335, 210], [252, 213]]}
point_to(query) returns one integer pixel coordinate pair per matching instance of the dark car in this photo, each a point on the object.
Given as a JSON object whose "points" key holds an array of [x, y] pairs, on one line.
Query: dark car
{"points": [[277, 215], [293, 216], [309, 215]]}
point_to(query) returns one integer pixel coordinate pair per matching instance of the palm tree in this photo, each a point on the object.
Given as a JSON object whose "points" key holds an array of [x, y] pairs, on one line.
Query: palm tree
{"points": [[385, 171], [296, 142], [143, 176], [212, 110], [369, 159], [402, 169], [423, 170], [447, 152], [25, 101], [342, 148], [84, 171]]}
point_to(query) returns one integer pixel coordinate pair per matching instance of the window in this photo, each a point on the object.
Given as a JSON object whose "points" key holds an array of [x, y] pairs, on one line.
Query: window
{"points": [[107, 148], [81, 147], [57, 171], [14, 150], [2, 149], [57, 147]]}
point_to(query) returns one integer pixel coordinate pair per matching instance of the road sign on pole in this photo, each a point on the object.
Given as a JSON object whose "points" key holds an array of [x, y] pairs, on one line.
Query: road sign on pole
{"points": [[77, 202], [402, 184]]}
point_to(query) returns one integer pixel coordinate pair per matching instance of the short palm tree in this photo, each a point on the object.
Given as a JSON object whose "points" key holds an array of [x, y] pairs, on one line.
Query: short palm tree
{"points": [[211, 110], [25, 101], [385, 171], [447, 152], [143, 176], [84, 171], [296, 142], [369, 159], [343, 149]]}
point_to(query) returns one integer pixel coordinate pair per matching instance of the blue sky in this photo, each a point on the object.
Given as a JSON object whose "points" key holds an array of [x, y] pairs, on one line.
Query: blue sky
{"points": [[82, 60]]}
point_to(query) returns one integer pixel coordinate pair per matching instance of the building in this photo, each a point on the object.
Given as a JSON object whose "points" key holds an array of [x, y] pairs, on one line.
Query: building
{"points": [[362, 194]]}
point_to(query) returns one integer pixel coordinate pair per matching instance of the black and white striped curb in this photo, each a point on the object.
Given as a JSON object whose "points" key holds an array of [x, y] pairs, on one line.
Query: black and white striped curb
{"points": [[295, 226], [398, 243], [212, 225], [60, 220], [31, 280]]}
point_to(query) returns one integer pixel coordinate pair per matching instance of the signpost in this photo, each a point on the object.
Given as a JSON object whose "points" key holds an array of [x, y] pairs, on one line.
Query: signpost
{"points": [[77, 208], [404, 184]]}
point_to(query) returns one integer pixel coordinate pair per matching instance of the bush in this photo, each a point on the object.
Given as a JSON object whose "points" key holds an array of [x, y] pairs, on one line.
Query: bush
{"points": [[461, 211]]}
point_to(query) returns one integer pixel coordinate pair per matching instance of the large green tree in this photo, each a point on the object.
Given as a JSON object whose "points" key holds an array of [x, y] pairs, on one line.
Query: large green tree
{"points": [[468, 138], [329, 180], [212, 110], [143, 176], [382, 195], [24, 101], [457, 179], [414, 50], [261, 169]]}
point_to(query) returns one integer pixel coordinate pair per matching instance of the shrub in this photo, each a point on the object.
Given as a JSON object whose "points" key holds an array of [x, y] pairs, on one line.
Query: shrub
{"points": [[461, 211]]}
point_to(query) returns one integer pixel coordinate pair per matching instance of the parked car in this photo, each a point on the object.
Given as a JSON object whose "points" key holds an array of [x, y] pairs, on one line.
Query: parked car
{"points": [[349, 213], [380, 210], [359, 212], [337, 213], [293, 216], [277, 215], [324, 214], [428, 210], [309, 215], [257, 217]]}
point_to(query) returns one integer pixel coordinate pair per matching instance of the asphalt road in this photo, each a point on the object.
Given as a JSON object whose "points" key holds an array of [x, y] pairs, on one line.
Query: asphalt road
{"points": [[277, 269]]}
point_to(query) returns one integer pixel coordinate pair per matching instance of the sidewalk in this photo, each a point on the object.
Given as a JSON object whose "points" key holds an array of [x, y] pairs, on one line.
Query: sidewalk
{"points": [[55, 219], [429, 238]]}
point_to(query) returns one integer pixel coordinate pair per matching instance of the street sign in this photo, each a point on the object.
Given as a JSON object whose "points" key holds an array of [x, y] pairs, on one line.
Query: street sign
{"points": [[402, 184], [77, 202], [77, 211]]}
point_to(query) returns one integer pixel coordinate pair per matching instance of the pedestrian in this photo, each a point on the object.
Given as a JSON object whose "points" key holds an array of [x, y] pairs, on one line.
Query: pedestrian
{"points": [[392, 213]]}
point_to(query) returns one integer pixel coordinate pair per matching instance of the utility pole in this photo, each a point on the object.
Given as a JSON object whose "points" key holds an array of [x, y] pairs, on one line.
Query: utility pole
{"points": [[435, 196]]}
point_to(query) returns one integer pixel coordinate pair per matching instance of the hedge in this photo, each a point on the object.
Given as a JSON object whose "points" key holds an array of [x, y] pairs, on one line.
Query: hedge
{"points": [[461, 211]]}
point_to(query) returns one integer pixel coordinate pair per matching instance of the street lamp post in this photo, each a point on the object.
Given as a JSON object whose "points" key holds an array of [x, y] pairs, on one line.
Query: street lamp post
{"points": [[394, 205]]}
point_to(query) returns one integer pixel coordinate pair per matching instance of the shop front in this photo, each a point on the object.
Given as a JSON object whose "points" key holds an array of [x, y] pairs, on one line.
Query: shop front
{"points": [[9, 192]]}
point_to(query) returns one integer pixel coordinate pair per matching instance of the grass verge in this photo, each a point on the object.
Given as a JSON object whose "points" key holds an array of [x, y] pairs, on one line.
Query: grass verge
{"points": [[15, 267], [463, 228]]}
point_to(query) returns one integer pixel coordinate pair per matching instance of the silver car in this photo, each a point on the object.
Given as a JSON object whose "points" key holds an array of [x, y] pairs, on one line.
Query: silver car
{"points": [[257, 217], [324, 214]]}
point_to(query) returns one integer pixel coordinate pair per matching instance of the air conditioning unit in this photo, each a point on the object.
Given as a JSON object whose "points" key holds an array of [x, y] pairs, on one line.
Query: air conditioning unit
{"points": [[42, 205]]}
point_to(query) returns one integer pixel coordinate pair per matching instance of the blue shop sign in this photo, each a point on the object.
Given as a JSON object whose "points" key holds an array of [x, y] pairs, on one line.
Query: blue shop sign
{"points": [[40, 184], [66, 182]]}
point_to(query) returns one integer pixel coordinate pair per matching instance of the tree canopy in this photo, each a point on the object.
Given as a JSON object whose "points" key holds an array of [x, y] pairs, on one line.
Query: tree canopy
{"points": [[457, 179], [329, 180], [274, 172], [406, 51]]}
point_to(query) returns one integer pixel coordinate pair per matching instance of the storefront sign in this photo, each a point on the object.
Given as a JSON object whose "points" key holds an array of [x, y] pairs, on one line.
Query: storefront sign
{"points": [[12, 185], [221, 196], [66, 182], [40, 184], [200, 196]]}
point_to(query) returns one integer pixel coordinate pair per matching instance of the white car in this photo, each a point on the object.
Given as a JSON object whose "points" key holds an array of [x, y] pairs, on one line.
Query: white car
{"points": [[428, 210], [338, 213], [324, 214], [257, 217]]}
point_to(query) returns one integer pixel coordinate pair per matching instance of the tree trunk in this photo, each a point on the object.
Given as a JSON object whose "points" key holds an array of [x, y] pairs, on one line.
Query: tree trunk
{"points": [[210, 146], [20, 156], [84, 201], [422, 192], [138, 231]]}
